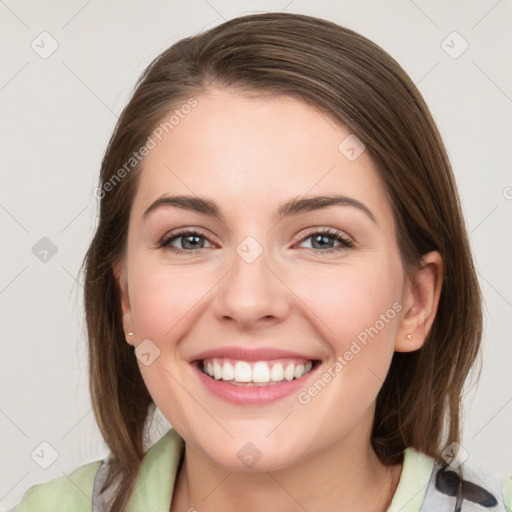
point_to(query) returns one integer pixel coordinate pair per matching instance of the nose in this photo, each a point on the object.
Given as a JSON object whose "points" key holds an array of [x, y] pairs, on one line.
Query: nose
{"points": [[252, 295]]}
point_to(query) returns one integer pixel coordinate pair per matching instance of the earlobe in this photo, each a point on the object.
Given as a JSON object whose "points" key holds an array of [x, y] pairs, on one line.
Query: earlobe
{"points": [[119, 273], [420, 299]]}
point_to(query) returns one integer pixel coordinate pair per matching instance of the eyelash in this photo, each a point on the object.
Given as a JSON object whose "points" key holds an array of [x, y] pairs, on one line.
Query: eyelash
{"points": [[165, 242]]}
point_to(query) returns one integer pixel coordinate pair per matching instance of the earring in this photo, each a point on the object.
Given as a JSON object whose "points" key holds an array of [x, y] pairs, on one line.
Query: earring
{"points": [[409, 337], [130, 333]]}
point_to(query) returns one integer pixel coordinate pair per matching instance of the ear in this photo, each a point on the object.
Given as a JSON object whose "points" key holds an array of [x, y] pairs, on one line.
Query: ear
{"points": [[420, 300], [119, 271]]}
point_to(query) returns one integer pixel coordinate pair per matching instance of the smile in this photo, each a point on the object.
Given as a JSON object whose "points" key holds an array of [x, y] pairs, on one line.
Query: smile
{"points": [[255, 373], [254, 383]]}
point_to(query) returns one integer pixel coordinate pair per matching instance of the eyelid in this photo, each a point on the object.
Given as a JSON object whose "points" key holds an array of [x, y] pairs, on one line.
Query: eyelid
{"points": [[346, 241], [179, 232], [324, 229]]}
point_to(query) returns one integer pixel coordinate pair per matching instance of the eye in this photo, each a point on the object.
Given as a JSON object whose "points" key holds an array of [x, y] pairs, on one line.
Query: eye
{"points": [[189, 238], [192, 239], [321, 239]]}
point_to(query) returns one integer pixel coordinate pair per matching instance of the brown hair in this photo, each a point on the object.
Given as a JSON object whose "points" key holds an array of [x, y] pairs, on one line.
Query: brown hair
{"points": [[357, 83]]}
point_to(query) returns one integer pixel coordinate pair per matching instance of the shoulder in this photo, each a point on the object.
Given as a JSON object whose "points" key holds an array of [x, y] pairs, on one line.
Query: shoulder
{"points": [[429, 485], [507, 493], [80, 491], [468, 486], [69, 493]]}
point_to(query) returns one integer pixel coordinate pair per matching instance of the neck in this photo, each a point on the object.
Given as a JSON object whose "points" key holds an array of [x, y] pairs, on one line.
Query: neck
{"points": [[347, 476]]}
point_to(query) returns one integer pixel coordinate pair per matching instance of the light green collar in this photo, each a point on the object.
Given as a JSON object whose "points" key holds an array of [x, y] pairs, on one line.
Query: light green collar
{"points": [[414, 480], [155, 484]]}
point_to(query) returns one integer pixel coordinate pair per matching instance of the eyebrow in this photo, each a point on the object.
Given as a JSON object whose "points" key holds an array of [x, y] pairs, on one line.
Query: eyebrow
{"points": [[292, 207]]}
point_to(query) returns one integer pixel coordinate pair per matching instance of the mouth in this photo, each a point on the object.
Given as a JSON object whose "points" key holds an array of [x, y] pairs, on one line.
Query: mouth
{"points": [[254, 376], [256, 373]]}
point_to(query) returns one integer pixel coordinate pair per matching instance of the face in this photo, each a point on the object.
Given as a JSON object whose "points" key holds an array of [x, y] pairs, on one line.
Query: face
{"points": [[259, 295]]}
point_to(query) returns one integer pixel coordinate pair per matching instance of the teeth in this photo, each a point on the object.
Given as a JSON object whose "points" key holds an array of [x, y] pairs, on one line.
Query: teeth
{"points": [[277, 372], [261, 372], [217, 371], [289, 373], [228, 372], [243, 372]]}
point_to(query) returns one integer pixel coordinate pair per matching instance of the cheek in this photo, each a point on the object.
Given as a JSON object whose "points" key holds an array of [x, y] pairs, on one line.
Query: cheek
{"points": [[161, 297], [354, 301], [361, 310]]}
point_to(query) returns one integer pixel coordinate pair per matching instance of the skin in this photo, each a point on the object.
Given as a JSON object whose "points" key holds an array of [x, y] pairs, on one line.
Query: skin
{"points": [[234, 150]]}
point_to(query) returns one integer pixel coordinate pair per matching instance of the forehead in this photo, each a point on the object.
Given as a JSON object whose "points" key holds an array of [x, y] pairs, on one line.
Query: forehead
{"points": [[248, 153]]}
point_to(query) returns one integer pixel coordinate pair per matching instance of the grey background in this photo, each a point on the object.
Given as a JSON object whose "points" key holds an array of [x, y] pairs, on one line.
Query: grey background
{"points": [[57, 114]]}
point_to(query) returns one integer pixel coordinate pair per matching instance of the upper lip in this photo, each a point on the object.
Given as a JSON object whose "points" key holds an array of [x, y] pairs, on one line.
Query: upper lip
{"points": [[250, 354]]}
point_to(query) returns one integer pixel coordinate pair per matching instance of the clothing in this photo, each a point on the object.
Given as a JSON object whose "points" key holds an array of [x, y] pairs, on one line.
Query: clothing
{"points": [[424, 485]]}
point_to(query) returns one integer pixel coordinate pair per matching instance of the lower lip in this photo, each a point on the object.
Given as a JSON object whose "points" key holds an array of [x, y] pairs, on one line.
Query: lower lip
{"points": [[252, 395]]}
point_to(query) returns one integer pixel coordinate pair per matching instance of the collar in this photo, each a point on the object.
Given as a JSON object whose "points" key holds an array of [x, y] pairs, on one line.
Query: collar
{"points": [[412, 486], [155, 483]]}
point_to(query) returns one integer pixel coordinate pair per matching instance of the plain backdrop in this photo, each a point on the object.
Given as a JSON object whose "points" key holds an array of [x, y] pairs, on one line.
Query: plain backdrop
{"points": [[67, 70]]}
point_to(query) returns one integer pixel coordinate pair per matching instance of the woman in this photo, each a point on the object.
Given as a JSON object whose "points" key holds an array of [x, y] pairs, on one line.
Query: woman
{"points": [[325, 376]]}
